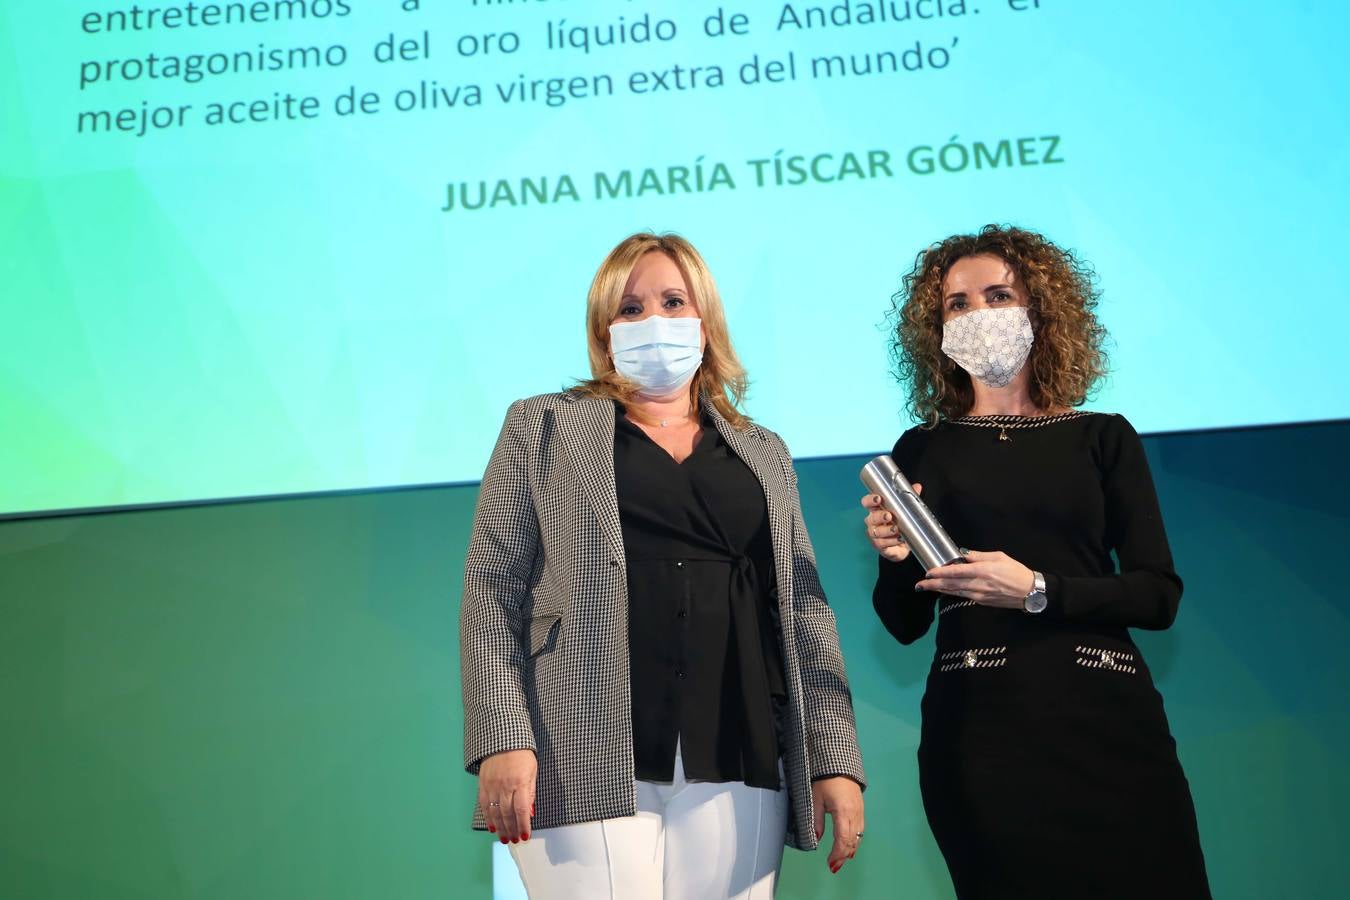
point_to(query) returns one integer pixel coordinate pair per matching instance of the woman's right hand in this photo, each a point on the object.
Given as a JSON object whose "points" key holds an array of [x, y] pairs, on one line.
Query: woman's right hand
{"points": [[882, 530], [506, 793]]}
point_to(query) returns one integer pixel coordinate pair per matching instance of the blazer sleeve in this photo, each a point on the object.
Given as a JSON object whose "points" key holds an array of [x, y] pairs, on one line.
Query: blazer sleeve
{"points": [[831, 728], [1146, 591], [497, 572]]}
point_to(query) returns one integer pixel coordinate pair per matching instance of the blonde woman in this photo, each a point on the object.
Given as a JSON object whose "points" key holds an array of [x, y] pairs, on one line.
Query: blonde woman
{"points": [[654, 696]]}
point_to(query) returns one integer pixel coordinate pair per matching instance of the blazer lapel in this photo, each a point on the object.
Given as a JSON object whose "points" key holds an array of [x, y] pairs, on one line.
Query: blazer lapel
{"points": [[586, 433], [752, 446]]}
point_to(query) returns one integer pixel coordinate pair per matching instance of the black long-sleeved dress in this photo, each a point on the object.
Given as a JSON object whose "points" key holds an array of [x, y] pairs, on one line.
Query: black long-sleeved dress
{"points": [[1046, 765]]}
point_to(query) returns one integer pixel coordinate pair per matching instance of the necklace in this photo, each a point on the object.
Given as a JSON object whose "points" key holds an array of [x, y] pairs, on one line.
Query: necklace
{"points": [[1005, 422], [663, 423]]}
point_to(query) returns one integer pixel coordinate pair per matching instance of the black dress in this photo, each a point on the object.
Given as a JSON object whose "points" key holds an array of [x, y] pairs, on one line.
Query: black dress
{"points": [[1046, 765]]}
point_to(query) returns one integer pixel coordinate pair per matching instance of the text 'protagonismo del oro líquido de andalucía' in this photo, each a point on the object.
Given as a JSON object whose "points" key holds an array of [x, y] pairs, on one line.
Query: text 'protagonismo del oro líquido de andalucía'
{"points": [[282, 63]]}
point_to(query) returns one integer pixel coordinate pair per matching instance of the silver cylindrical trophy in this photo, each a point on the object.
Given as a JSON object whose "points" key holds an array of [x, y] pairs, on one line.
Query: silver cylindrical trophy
{"points": [[918, 526]]}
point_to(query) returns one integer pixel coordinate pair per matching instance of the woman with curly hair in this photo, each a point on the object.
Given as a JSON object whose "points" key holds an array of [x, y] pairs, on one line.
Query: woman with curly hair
{"points": [[1046, 764]]}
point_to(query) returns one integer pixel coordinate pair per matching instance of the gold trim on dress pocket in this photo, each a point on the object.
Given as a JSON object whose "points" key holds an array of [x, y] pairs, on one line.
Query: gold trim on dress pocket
{"points": [[975, 658], [1101, 658]]}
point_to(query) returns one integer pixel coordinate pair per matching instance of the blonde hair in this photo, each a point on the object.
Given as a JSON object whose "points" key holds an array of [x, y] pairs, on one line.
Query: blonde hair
{"points": [[720, 378]]}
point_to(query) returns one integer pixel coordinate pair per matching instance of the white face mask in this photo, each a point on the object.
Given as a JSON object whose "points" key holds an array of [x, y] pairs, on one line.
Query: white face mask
{"points": [[659, 354], [991, 344]]}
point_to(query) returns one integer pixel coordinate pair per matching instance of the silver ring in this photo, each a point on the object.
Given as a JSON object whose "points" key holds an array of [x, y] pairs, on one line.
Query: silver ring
{"points": [[493, 803], [860, 834]]}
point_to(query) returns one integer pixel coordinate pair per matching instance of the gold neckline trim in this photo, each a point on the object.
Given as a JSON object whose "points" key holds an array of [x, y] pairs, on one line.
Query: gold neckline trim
{"points": [[1007, 421]]}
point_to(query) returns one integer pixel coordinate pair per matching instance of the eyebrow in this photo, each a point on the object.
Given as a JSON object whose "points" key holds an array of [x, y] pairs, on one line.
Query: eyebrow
{"points": [[665, 292], [993, 287]]}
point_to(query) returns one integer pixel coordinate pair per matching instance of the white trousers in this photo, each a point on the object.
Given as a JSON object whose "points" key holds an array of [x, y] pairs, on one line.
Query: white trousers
{"points": [[688, 841]]}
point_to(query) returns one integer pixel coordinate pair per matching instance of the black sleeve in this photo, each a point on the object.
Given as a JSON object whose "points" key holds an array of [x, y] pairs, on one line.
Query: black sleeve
{"points": [[906, 615], [1146, 591]]}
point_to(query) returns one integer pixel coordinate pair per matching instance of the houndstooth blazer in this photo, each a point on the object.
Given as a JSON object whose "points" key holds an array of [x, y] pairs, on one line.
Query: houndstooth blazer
{"points": [[544, 619]]}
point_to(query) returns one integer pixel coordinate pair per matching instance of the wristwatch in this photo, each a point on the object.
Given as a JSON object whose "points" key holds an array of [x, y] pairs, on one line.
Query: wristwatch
{"points": [[1036, 601]]}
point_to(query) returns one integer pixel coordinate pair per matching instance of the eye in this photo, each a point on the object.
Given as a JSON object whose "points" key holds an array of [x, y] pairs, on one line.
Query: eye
{"points": [[674, 302], [1003, 295], [957, 303], [629, 309]]}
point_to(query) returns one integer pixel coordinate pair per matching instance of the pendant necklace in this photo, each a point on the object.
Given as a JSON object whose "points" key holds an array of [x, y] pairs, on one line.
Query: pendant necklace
{"points": [[663, 423]]}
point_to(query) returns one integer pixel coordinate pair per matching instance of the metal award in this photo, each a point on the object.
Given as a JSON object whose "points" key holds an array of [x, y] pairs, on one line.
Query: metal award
{"points": [[919, 527]]}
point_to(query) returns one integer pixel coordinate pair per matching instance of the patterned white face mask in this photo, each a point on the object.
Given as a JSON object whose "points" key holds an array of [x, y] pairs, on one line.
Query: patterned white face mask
{"points": [[991, 344]]}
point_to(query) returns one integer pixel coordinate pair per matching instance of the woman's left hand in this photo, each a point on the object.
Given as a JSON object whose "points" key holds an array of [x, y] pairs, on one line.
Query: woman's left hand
{"points": [[842, 799], [990, 579]]}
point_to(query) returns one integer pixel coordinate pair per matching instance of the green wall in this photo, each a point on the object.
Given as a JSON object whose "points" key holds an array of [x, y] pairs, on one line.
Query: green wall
{"points": [[260, 700]]}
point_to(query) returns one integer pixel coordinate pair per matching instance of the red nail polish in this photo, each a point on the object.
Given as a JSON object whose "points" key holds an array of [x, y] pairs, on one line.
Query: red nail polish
{"points": [[525, 836], [505, 841], [492, 829]]}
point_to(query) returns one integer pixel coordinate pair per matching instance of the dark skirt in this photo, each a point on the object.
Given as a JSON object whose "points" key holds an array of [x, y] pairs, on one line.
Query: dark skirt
{"points": [[1072, 791]]}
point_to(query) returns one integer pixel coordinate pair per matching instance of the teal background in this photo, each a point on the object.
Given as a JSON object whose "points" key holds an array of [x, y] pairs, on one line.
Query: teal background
{"points": [[261, 699], [283, 307]]}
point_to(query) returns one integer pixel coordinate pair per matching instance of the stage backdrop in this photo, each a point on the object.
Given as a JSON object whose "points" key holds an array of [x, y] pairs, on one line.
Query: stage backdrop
{"points": [[262, 700], [254, 248]]}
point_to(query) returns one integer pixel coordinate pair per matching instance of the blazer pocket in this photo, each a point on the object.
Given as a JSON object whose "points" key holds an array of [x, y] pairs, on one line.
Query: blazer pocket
{"points": [[544, 633]]}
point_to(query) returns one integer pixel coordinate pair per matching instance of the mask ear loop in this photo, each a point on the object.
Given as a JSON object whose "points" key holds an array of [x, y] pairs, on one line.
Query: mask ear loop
{"points": [[1033, 316]]}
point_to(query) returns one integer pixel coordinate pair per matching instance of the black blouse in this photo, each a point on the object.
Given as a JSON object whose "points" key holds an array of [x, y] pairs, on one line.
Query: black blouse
{"points": [[704, 659]]}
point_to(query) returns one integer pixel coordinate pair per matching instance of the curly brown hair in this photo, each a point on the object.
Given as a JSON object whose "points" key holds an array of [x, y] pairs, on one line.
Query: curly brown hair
{"points": [[1067, 357]]}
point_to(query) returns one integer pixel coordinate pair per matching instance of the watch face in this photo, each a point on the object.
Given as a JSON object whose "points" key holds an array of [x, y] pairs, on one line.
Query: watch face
{"points": [[1035, 602]]}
